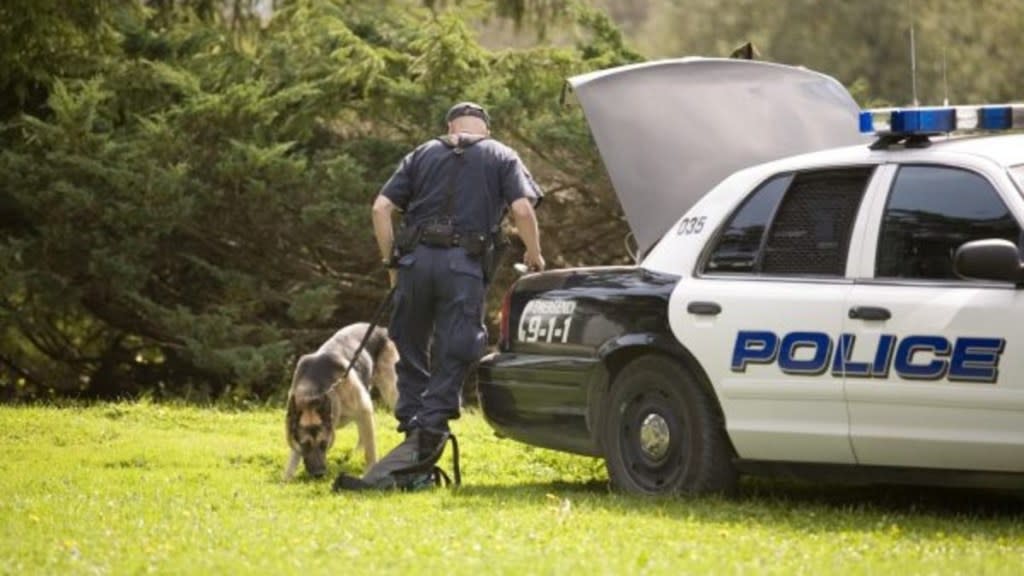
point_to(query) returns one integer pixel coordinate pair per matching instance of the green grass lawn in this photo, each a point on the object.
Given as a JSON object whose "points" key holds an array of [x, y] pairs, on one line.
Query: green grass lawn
{"points": [[137, 488]]}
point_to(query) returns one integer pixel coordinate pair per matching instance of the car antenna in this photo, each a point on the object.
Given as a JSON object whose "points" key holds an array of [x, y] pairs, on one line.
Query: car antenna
{"points": [[945, 85], [913, 54]]}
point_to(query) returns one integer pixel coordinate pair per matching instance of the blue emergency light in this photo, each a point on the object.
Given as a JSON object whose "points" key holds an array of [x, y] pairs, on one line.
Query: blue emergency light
{"points": [[1000, 117], [914, 125], [931, 121], [909, 121]]}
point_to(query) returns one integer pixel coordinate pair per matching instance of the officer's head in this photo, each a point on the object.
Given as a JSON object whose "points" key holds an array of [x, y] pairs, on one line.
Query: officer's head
{"points": [[468, 117]]}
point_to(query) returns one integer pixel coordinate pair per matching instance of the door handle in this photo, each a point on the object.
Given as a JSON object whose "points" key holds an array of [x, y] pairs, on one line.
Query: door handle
{"points": [[704, 308], [870, 313]]}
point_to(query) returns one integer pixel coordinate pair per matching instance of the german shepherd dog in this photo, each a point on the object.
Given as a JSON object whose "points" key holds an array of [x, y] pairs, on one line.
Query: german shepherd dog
{"points": [[321, 401]]}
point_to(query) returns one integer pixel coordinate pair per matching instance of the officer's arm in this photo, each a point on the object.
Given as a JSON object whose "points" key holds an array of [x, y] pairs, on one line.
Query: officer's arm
{"points": [[382, 210], [526, 222]]}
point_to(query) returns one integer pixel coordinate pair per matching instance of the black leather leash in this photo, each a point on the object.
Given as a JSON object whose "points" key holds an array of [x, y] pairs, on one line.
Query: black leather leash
{"points": [[369, 330]]}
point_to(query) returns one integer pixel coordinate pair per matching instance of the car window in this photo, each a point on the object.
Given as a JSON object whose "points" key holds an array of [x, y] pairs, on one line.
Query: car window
{"points": [[740, 243], [793, 224], [931, 211]]}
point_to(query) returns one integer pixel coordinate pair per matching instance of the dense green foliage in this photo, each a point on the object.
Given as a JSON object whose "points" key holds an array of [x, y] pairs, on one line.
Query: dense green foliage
{"points": [[143, 488], [192, 207], [184, 184]]}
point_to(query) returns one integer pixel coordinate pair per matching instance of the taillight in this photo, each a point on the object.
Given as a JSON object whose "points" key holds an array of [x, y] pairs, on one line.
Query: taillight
{"points": [[506, 311]]}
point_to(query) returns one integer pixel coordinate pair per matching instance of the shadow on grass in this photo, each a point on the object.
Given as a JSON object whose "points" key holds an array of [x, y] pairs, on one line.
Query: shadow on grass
{"points": [[765, 496], [931, 500], [758, 499]]}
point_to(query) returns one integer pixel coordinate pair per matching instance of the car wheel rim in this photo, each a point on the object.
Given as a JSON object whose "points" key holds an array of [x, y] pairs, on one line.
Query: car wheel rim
{"points": [[655, 436], [652, 441]]}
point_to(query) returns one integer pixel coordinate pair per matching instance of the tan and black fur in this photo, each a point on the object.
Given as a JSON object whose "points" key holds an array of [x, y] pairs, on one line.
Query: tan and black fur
{"points": [[321, 401]]}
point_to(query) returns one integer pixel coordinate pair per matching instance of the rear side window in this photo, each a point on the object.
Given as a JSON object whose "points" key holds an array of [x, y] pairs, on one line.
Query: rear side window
{"points": [[931, 211], [740, 245], [797, 224]]}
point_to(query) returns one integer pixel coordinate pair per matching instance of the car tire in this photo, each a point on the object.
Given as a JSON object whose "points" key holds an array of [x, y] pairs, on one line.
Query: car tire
{"points": [[663, 433]]}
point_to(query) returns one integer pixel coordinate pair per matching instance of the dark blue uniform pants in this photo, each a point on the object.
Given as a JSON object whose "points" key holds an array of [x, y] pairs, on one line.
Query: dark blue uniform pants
{"points": [[437, 325]]}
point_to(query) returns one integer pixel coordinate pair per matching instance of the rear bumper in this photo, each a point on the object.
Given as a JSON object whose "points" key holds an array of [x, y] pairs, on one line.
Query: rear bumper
{"points": [[540, 400]]}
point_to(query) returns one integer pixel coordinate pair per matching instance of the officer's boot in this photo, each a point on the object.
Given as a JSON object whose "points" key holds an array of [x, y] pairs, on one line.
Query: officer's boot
{"points": [[410, 465]]}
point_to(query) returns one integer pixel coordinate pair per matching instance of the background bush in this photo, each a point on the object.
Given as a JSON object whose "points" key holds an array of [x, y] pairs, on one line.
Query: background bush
{"points": [[185, 198]]}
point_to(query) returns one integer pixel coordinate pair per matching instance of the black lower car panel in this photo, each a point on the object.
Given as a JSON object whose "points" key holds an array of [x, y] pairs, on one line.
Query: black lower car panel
{"points": [[539, 400]]}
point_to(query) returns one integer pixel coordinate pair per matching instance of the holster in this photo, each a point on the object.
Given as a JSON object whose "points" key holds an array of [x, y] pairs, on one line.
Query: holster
{"points": [[475, 244], [406, 238], [493, 254]]}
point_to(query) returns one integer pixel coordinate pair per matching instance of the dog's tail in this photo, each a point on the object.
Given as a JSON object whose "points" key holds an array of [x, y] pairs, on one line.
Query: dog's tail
{"points": [[377, 342]]}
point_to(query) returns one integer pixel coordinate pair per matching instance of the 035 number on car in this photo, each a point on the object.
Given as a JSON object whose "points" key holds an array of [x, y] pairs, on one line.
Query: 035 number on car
{"points": [[692, 225]]}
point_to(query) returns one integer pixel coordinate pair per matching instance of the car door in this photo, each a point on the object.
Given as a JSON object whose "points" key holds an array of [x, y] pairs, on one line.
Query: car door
{"points": [[932, 362], [762, 311]]}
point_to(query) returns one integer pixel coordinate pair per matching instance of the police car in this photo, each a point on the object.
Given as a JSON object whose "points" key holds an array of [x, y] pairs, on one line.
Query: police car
{"points": [[820, 292]]}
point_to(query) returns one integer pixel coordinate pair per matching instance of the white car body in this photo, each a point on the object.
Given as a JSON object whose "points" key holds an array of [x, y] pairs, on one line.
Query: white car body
{"points": [[771, 415]]}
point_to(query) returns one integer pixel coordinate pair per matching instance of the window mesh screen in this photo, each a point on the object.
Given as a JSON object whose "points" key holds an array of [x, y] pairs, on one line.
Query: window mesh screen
{"points": [[811, 232]]}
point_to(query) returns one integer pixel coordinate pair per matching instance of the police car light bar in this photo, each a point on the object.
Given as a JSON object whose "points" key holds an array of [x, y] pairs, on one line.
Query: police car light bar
{"points": [[941, 120]]}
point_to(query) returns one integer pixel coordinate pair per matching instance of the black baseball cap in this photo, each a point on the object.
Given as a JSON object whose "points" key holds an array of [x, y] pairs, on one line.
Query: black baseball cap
{"points": [[468, 109]]}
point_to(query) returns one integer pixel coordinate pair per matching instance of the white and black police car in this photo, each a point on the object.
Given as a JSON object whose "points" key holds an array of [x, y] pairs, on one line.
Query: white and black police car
{"points": [[821, 292]]}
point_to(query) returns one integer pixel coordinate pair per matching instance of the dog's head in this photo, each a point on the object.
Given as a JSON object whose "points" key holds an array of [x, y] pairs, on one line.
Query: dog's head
{"points": [[310, 418], [311, 431]]}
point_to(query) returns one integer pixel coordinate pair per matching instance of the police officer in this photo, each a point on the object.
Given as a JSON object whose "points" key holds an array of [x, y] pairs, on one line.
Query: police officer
{"points": [[453, 192]]}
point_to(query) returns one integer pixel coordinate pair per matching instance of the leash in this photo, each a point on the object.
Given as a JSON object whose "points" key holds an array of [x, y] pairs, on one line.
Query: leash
{"points": [[369, 331]]}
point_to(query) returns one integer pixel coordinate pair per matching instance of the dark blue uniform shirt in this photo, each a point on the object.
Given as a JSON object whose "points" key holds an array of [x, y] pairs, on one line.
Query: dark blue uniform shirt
{"points": [[491, 178]]}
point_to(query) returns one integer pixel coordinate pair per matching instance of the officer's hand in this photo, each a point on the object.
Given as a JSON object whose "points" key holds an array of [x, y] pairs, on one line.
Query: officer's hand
{"points": [[534, 261], [393, 277]]}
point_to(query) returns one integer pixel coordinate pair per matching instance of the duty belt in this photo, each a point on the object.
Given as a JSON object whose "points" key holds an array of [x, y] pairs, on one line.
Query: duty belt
{"points": [[443, 236], [442, 242], [440, 238]]}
